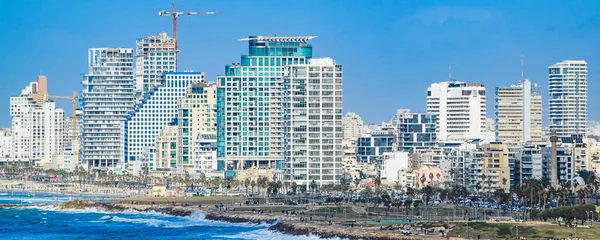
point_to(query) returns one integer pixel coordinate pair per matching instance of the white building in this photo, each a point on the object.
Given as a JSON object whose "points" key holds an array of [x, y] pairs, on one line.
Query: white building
{"points": [[20, 108], [47, 131], [353, 126], [519, 113], [154, 111], [460, 108], [66, 160], [567, 86], [205, 155], [154, 55], [313, 132], [6, 145], [393, 166], [108, 96]]}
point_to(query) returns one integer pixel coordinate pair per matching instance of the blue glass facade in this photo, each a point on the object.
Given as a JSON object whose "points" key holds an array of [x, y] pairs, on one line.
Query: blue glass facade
{"points": [[416, 131], [370, 148], [250, 103]]}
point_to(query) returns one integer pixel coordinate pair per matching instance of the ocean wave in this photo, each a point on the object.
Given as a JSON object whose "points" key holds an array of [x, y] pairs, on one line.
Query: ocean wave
{"points": [[268, 235]]}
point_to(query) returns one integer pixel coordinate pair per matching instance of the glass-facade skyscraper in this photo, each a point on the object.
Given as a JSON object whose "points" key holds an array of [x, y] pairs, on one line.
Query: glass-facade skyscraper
{"points": [[567, 86], [107, 98], [250, 109]]}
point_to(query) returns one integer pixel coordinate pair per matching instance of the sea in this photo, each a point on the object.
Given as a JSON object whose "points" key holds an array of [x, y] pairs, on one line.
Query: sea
{"points": [[48, 222]]}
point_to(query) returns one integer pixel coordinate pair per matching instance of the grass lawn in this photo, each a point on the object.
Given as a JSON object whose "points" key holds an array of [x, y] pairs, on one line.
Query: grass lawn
{"points": [[528, 230]]}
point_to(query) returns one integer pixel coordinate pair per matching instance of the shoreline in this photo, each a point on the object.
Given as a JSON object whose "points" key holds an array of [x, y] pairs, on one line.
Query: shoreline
{"points": [[71, 189], [300, 226], [282, 223]]}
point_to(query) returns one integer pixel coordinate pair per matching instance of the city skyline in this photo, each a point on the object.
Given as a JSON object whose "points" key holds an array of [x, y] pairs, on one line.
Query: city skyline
{"points": [[426, 53]]}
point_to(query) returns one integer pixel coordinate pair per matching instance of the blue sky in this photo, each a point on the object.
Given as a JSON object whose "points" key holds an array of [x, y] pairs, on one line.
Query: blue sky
{"points": [[391, 50]]}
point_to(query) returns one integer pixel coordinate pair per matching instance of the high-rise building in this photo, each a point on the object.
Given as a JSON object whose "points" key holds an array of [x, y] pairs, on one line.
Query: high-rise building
{"points": [[197, 117], [353, 126], [250, 103], [156, 109], [154, 55], [23, 109], [47, 131], [519, 113], [313, 131], [567, 85], [460, 108], [416, 131], [107, 98]]}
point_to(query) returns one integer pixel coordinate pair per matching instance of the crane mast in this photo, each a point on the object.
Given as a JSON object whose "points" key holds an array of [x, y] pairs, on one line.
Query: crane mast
{"points": [[175, 14]]}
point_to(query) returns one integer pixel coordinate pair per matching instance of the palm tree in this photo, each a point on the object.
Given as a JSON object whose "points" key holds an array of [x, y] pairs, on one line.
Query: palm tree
{"points": [[253, 184], [313, 186], [247, 184], [356, 182], [483, 182], [430, 178]]}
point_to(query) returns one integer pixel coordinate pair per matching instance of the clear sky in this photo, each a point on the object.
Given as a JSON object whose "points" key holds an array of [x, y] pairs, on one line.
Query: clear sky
{"points": [[391, 50]]}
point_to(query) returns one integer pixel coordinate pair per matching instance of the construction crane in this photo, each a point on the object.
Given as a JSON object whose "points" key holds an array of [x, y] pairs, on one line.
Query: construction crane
{"points": [[73, 114], [176, 14]]}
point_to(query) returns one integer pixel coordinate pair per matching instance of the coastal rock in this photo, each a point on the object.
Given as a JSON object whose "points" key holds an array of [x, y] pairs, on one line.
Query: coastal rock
{"points": [[117, 207]]}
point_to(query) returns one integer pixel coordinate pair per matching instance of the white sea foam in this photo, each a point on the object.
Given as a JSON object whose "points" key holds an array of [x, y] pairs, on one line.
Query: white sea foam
{"points": [[265, 234]]}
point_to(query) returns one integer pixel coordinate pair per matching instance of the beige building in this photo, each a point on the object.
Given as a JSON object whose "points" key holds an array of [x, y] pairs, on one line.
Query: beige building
{"points": [[165, 158], [519, 113], [494, 165], [254, 173], [353, 128], [197, 115]]}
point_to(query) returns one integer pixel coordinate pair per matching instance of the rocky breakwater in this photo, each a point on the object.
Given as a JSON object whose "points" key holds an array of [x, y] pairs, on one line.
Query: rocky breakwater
{"points": [[119, 207], [335, 230], [296, 225], [241, 217]]}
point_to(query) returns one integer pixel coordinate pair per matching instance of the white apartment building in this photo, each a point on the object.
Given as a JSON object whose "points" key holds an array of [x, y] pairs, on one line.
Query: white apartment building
{"points": [[460, 108], [393, 166], [154, 111], [6, 145], [108, 96], [567, 86], [20, 107], [205, 155], [154, 55], [314, 131], [353, 126], [518, 113], [197, 116], [47, 131]]}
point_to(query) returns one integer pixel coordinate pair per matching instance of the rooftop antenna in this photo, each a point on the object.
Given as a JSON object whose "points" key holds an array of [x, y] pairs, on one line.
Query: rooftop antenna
{"points": [[522, 67], [450, 72]]}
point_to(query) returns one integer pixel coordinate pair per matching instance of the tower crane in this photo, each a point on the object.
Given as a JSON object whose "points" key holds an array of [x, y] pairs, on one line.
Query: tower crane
{"points": [[73, 114], [176, 14]]}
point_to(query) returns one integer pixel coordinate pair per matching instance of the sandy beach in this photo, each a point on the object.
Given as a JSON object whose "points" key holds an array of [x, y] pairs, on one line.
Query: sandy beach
{"points": [[70, 188]]}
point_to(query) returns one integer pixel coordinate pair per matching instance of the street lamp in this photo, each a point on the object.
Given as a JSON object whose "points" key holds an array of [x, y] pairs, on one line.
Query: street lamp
{"points": [[467, 230]]}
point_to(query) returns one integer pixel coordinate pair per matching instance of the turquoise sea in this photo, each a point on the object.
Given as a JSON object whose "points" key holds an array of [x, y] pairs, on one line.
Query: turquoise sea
{"points": [[47, 222]]}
